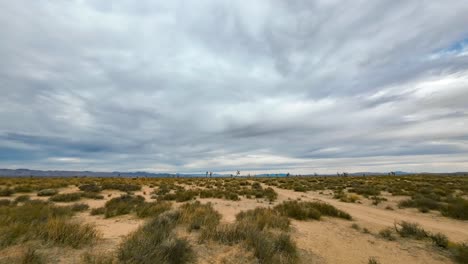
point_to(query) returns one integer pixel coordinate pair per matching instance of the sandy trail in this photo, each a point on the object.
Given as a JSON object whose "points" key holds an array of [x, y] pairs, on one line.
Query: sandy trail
{"points": [[375, 218]]}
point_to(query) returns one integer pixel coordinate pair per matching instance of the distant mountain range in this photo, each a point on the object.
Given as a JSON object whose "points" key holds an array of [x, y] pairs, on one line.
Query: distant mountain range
{"points": [[59, 173]]}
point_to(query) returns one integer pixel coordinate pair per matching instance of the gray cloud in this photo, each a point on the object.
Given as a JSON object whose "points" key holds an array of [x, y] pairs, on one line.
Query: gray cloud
{"points": [[180, 86]]}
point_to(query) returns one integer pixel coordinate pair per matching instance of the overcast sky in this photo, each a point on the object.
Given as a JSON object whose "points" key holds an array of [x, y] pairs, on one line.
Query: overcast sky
{"points": [[188, 86]]}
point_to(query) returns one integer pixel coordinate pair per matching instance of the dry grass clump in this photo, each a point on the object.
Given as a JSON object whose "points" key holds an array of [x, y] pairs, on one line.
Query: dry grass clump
{"points": [[152, 209], [94, 258], [387, 234], [264, 218], [196, 215], [411, 230], [310, 210], [155, 242], [257, 233], [43, 221]]}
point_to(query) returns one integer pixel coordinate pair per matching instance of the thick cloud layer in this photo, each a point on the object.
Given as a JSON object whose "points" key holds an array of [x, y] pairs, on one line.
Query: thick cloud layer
{"points": [[189, 86]]}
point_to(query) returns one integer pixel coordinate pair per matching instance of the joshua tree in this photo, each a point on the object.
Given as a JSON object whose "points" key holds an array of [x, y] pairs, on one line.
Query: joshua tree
{"points": [[238, 173]]}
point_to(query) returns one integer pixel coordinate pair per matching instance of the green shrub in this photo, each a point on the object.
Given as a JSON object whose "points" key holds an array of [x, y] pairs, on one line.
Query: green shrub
{"points": [[90, 188], [460, 253], [66, 197], [22, 198], [92, 195], [6, 192], [457, 208], [79, 207], [23, 189], [121, 187], [5, 202], [47, 192], [124, 204], [297, 210]]}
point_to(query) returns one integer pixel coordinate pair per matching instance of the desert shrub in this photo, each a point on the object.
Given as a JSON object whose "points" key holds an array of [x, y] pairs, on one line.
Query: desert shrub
{"points": [[185, 195], [377, 199], [30, 256], [420, 202], [387, 234], [79, 207], [355, 227], [196, 215], [270, 194], [90, 188], [124, 204], [273, 248], [460, 253], [264, 218], [297, 210], [328, 210], [152, 209], [439, 240], [47, 192], [373, 260], [6, 192], [41, 220], [5, 202], [365, 190], [457, 208], [121, 187], [92, 195], [66, 197], [23, 189], [93, 258], [98, 211], [155, 242], [22, 198], [411, 230]]}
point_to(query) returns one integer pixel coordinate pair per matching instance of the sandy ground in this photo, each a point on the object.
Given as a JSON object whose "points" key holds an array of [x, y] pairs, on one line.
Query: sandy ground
{"points": [[327, 241]]}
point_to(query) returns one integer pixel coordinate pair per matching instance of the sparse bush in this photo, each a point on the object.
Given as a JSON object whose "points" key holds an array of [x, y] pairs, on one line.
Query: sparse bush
{"points": [[457, 208], [124, 204], [6, 192], [152, 209], [92, 258], [66, 197], [47, 192], [460, 253], [196, 215], [264, 218], [98, 211], [355, 227], [155, 242], [79, 207], [22, 198], [297, 210], [90, 188], [411, 230], [5, 202], [387, 234], [30, 256], [439, 240], [92, 195], [121, 187], [373, 260]]}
